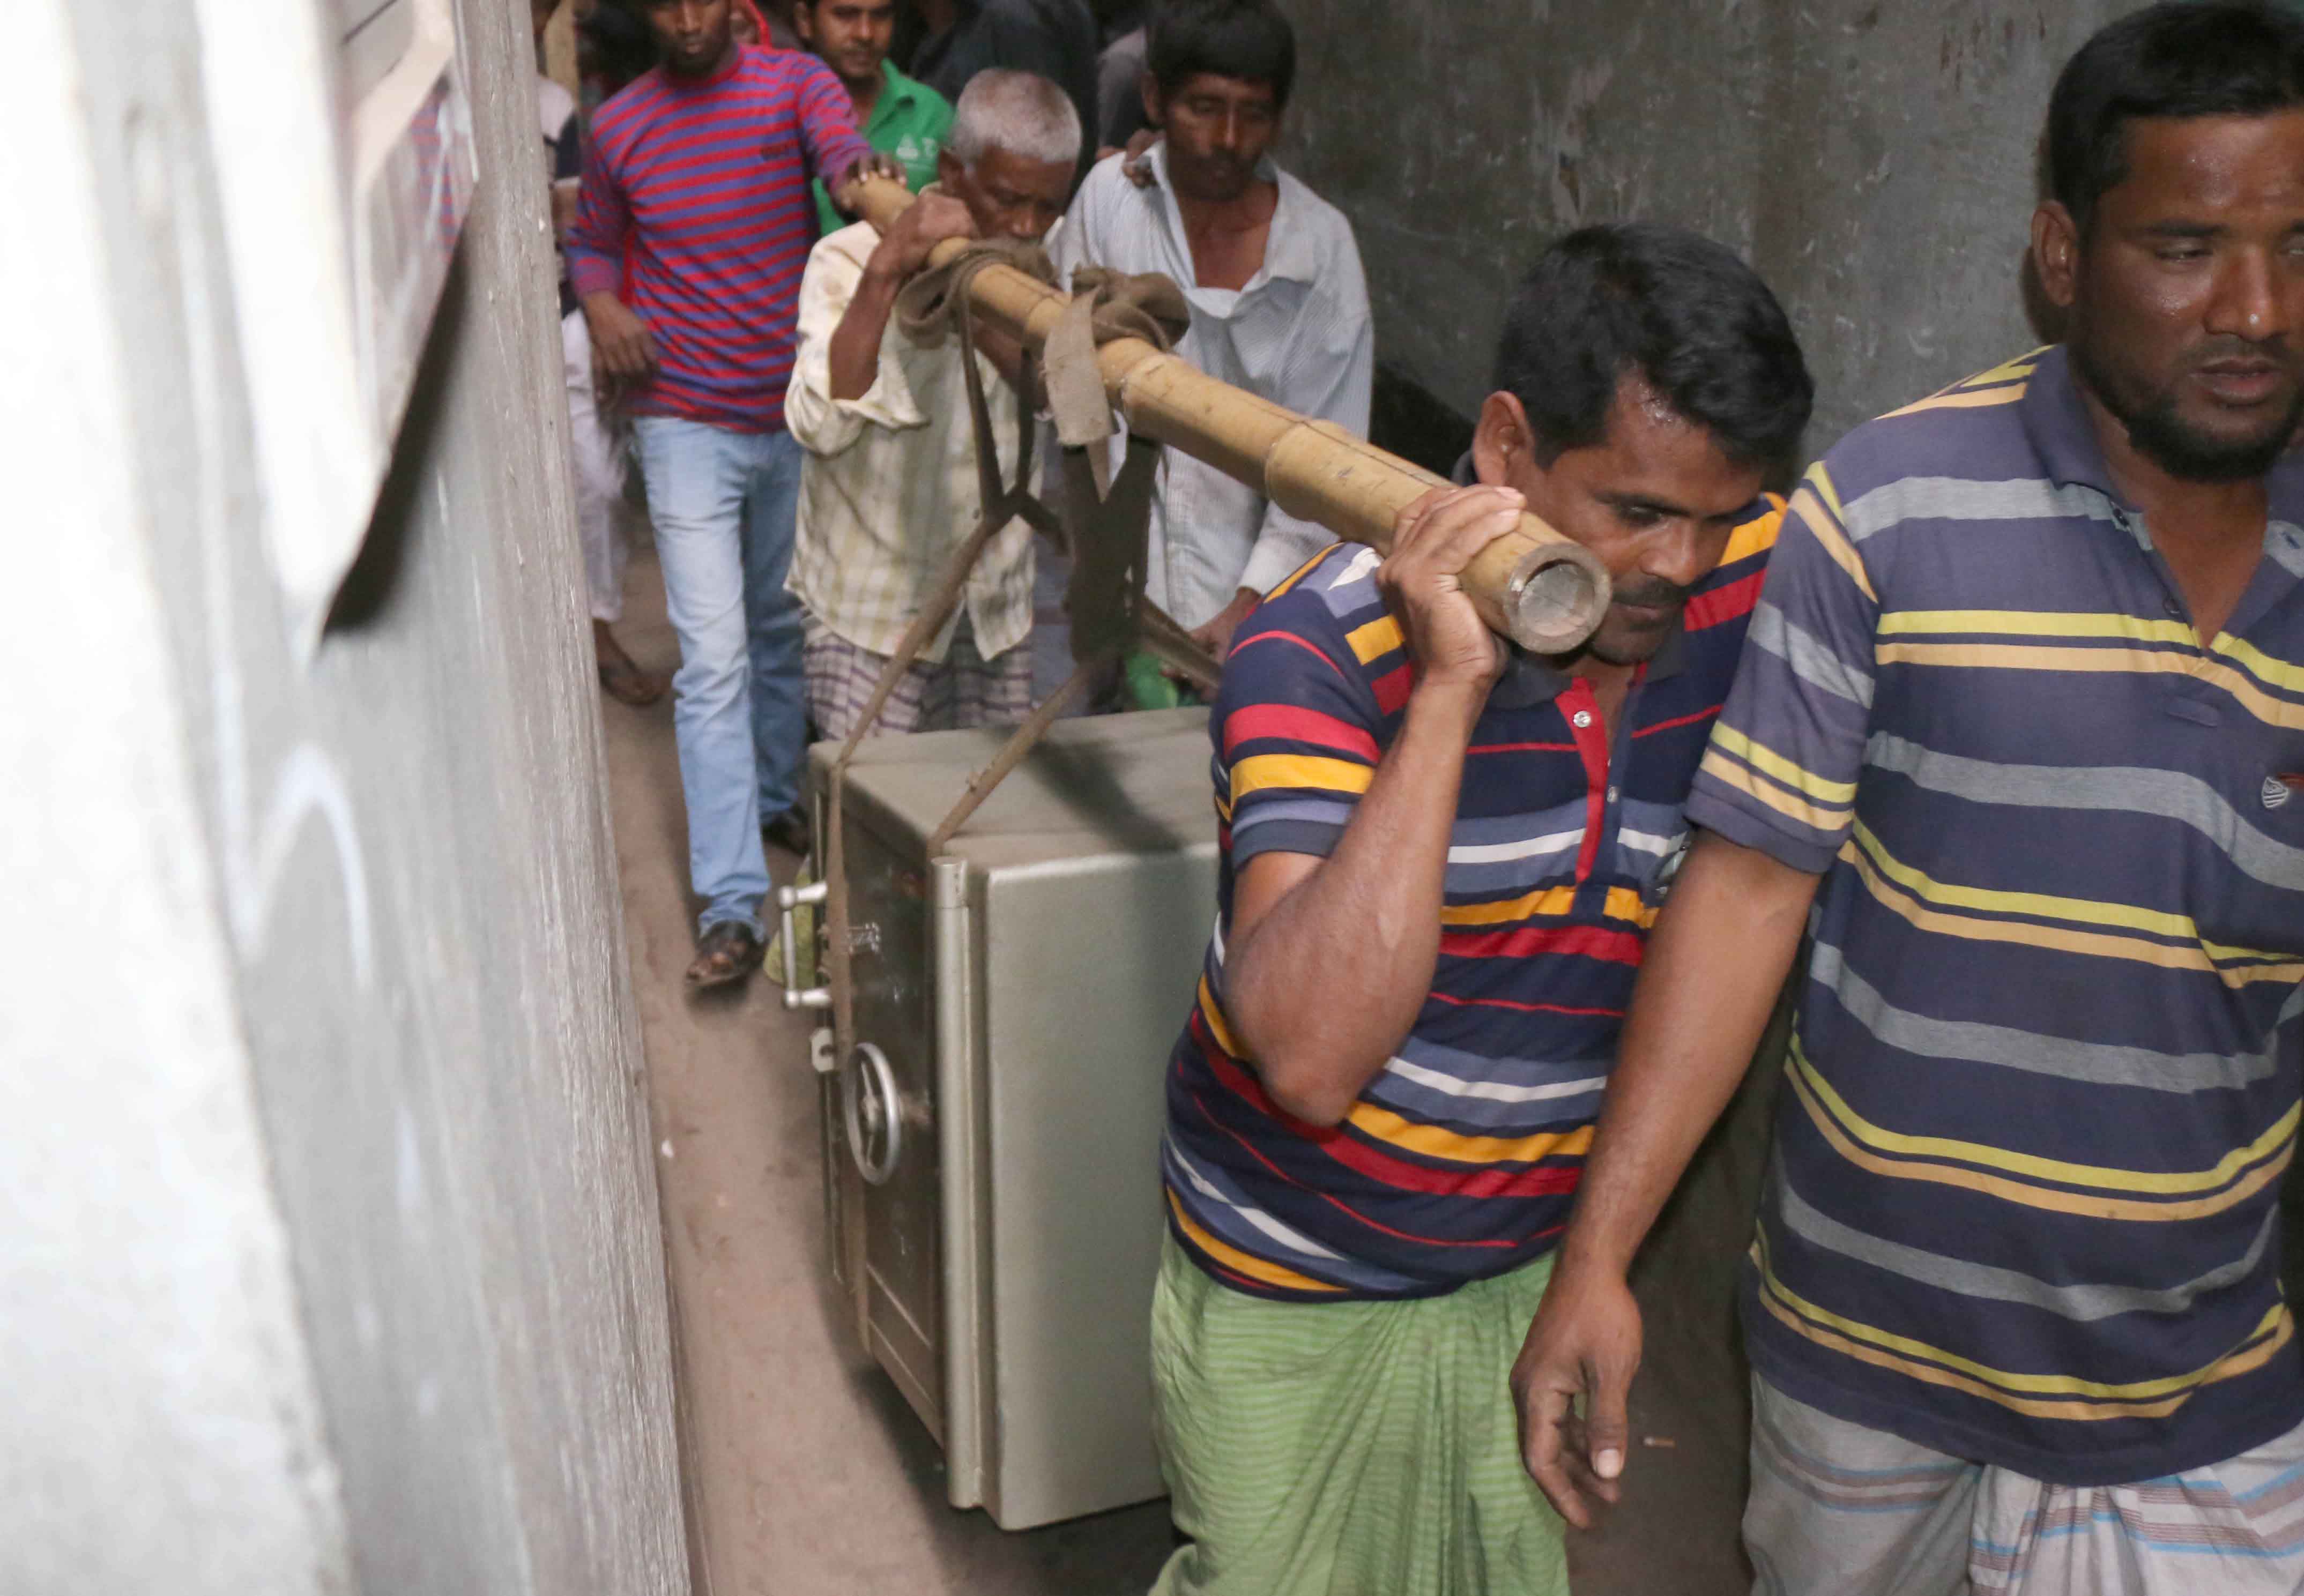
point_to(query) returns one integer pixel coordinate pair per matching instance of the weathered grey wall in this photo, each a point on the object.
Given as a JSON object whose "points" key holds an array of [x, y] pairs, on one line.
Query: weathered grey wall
{"points": [[335, 1260], [1874, 160]]}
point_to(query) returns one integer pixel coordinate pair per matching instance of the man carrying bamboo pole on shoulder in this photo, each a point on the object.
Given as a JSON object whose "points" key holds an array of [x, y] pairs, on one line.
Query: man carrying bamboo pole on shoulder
{"points": [[890, 488], [1441, 858], [1273, 276]]}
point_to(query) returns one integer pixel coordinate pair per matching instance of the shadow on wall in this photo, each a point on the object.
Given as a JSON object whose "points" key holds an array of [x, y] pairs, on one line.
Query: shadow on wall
{"points": [[1414, 423], [368, 586]]}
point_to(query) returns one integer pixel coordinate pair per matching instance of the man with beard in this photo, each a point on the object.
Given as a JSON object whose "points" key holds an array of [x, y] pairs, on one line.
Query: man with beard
{"points": [[693, 228], [2014, 745], [1439, 862], [900, 117], [1279, 304]]}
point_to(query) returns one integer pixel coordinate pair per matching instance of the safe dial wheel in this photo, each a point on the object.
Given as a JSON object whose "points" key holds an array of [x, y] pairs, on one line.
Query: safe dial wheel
{"points": [[874, 1113]]}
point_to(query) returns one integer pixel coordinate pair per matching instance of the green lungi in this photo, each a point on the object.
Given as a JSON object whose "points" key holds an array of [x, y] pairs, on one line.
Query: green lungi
{"points": [[1352, 1448]]}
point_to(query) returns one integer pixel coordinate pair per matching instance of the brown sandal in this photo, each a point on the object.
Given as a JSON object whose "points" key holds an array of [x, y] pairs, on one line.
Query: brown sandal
{"points": [[727, 952], [627, 683], [619, 677]]}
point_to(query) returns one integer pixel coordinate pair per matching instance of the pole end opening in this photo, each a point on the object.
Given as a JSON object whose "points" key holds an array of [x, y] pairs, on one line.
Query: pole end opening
{"points": [[1558, 595]]}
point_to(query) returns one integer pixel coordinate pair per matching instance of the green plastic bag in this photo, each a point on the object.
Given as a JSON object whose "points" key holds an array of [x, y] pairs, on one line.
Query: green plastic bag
{"points": [[1149, 687]]}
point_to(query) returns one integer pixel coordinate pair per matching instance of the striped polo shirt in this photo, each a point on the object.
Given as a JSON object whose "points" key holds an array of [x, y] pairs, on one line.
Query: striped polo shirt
{"points": [[2044, 1084], [697, 211], [1460, 1159]]}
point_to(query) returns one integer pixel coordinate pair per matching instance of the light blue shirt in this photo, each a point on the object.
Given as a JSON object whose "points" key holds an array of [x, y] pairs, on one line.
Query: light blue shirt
{"points": [[1299, 334]]}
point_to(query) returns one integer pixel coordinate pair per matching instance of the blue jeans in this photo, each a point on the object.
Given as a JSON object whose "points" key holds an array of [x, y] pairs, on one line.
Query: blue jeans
{"points": [[724, 505]]}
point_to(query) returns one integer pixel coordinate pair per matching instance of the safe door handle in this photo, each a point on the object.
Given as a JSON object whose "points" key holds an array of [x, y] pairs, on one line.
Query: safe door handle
{"points": [[788, 899]]}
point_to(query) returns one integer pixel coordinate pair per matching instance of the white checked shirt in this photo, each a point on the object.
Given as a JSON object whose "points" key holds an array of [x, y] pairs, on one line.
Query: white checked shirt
{"points": [[1298, 335], [889, 489]]}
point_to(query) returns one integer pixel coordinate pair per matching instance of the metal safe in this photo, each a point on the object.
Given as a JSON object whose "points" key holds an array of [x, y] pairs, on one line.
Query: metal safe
{"points": [[991, 1142]]}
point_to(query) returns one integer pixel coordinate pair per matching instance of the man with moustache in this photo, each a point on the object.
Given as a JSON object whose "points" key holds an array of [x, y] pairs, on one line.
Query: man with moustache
{"points": [[691, 235], [890, 489], [1439, 861], [900, 117], [1279, 305], [2014, 746]]}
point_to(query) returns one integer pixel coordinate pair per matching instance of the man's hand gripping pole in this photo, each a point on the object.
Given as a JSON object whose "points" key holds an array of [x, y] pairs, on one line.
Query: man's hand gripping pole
{"points": [[1533, 586]]}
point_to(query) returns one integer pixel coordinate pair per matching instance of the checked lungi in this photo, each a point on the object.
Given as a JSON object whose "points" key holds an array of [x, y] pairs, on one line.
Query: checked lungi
{"points": [[1348, 1448], [1838, 1509], [964, 690]]}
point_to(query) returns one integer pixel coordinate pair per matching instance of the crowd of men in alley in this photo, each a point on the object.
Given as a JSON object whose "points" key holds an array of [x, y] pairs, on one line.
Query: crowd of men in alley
{"points": [[1984, 739], [808, 470]]}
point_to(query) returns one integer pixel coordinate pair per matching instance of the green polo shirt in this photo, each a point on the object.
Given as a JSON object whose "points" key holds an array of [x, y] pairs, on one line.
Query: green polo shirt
{"points": [[909, 121]]}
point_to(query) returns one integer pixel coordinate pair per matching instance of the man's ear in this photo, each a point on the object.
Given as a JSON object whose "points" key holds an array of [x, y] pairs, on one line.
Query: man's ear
{"points": [[804, 20], [949, 171], [1149, 87], [1504, 444], [2056, 253]]}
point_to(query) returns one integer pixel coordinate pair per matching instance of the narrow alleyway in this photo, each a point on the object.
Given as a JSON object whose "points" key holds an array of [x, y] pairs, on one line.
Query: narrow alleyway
{"points": [[807, 1474]]}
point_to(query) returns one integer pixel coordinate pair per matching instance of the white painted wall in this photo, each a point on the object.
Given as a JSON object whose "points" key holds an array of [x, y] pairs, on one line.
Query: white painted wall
{"points": [[332, 1258]]}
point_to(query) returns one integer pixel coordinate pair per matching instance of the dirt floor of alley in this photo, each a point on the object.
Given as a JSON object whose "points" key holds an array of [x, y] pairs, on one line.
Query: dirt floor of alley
{"points": [[807, 1475]]}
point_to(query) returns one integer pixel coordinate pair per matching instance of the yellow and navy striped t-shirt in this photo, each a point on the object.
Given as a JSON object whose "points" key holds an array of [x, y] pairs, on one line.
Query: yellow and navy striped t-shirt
{"points": [[2024, 1202], [1460, 1159]]}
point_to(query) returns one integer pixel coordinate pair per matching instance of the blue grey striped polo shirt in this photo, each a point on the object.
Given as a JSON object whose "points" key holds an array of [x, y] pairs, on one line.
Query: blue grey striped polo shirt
{"points": [[2023, 1204]]}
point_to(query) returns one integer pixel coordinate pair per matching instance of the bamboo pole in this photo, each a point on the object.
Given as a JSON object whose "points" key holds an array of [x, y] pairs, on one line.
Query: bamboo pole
{"points": [[1533, 586]]}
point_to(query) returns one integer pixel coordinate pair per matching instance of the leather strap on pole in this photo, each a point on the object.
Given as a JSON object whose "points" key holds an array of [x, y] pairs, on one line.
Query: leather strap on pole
{"points": [[1002, 504], [1108, 555], [926, 306], [1106, 306]]}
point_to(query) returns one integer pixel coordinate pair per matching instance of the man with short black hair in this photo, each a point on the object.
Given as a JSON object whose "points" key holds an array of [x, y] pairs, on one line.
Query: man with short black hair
{"points": [[693, 228], [890, 488], [1120, 76], [1279, 305], [900, 117], [2014, 746], [1440, 861], [1055, 40]]}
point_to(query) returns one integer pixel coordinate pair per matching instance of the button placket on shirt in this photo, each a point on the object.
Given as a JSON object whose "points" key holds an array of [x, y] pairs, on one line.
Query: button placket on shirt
{"points": [[2188, 697], [1604, 766]]}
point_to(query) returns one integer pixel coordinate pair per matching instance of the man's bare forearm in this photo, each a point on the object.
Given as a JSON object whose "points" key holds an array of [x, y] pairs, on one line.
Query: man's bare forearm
{"points": [[854, 353], [1715, 965], [1326, 985]]}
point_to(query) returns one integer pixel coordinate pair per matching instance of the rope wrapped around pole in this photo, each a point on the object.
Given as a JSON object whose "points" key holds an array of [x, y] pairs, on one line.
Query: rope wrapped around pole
{"points": [[1534, 586]]}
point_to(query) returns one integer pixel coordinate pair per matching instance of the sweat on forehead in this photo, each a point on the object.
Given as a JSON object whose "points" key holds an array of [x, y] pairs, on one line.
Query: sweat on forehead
{"points": [[2182, 59]]}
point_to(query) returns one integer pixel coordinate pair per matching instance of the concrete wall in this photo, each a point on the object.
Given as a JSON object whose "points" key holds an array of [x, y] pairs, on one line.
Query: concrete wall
{"points": [[334, 1259], [1873, 160]]}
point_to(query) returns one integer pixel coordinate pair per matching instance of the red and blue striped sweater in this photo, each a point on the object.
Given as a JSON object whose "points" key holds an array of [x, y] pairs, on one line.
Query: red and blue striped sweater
{"points": [[697, 212]]}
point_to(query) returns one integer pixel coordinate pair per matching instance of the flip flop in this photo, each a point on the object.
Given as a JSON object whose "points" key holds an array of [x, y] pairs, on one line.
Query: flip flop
{"points": [[627, 683]]}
